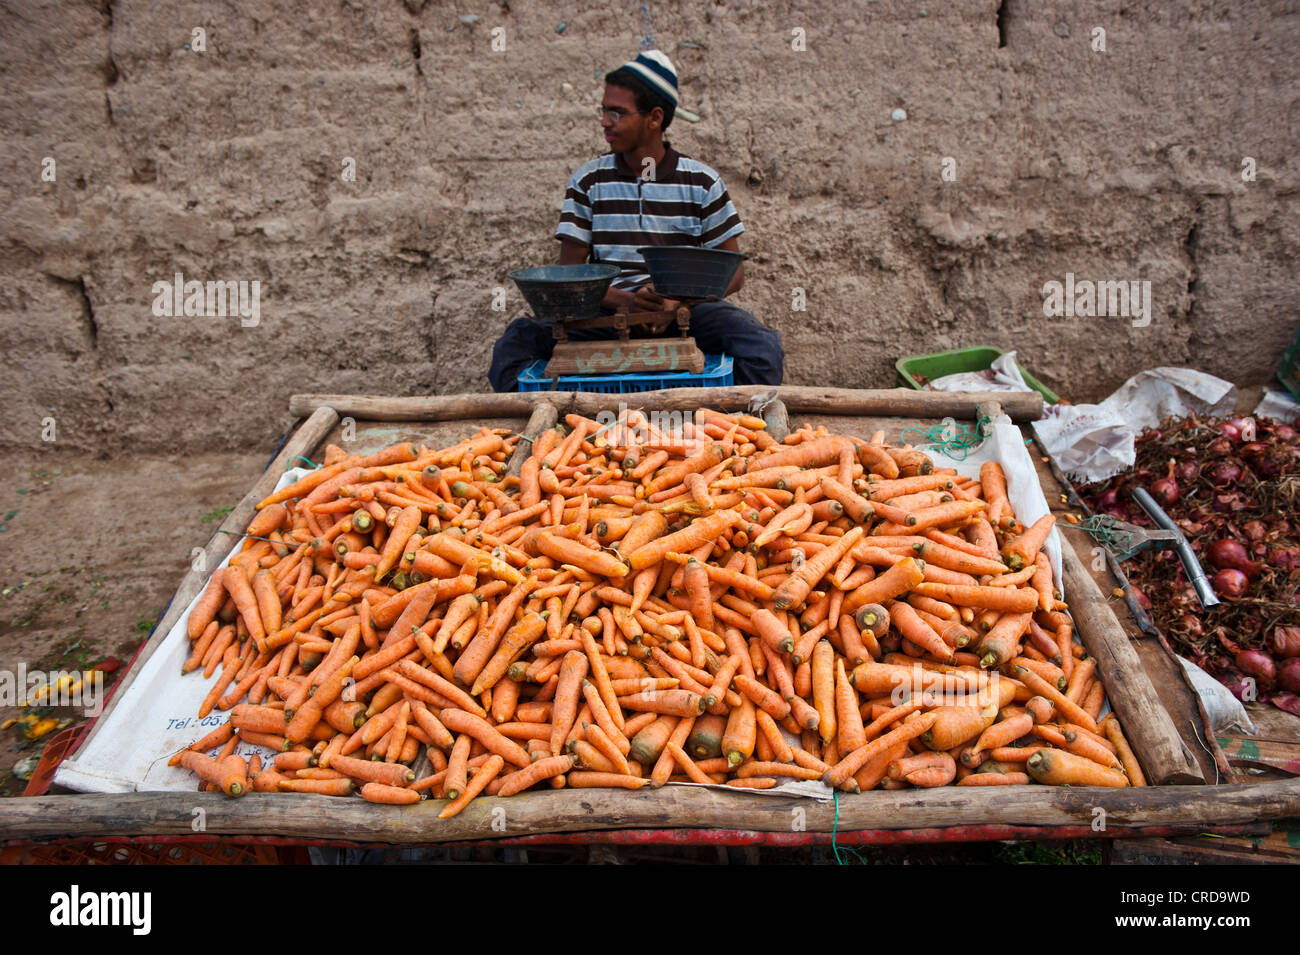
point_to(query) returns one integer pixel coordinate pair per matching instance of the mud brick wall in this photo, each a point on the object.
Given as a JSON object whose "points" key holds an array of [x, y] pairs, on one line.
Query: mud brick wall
{"points": [[227, 164]]}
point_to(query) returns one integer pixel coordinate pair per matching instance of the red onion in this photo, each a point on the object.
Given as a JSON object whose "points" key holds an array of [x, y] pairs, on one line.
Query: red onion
{"points": [[1284, 433], [1142, 599], [1219, 447], [1108, 499], [1237, 685], [1166, 491], [1223, 473], [1285, 559], [1245, 428], [1288, 675], [1230, 431], [1229, 553], [1224, 503], [1188, 471], [1258, 664], [1230, 583], [1254, 530], [1286, 701], [1285, 642]]}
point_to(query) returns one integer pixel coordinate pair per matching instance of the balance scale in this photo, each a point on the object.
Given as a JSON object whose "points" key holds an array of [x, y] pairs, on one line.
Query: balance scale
{"points": [[624, 354]]}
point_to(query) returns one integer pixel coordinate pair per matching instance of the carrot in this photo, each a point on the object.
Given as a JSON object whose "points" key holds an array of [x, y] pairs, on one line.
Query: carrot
{"points": [[389, 795], [823, 690], [955, 725], [572, 672], [1064, 705], [772, 631], [1057, 768], [571, 552], [319, 787], [205, 608], [994, 484], [482, 777], [535, 773], [241, 593], [304, 485], [951, 558], [1022, 551], [1002, 641], [668, 702], [794, 591], [909, 623], [848, 718], [1004, 733], [761, 696], [458, 721], [903, 576], [924, 771], [700, 531], [1006, 599], [739, 738], [230, 774], [1110, 726], [587, 780], [849, 764]]}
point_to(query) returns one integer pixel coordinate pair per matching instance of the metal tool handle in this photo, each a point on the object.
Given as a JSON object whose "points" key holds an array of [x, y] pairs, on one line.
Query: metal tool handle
{"points": [[1195, 573]]}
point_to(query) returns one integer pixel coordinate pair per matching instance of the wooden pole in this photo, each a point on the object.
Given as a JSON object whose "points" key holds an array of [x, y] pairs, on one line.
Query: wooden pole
{"points": [[777, 417], [354, 820], [899, 402], [1146, 723], [544, 416], [303, 443]]}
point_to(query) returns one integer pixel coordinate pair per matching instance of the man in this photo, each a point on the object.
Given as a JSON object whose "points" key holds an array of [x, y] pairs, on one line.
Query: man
{"points": [[643, 192]]}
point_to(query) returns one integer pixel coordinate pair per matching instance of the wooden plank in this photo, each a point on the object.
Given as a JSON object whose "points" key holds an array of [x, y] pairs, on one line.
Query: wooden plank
{"points": [[615, 357], [1263, 849], [544, 416], [324, 817], [1020, 406], [777, 417], [1159, 748], [1173, 688], [303, 443]]}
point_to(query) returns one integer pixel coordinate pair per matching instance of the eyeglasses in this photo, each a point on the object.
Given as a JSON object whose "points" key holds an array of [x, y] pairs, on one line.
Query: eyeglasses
{"points": [[614, 115]]}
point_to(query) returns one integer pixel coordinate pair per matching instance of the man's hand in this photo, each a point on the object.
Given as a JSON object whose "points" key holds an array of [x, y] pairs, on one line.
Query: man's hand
{"points": [[646, 299]]}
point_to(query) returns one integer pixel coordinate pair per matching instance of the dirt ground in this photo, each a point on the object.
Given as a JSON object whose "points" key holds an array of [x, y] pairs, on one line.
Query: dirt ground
{"points": [[92, 552]]}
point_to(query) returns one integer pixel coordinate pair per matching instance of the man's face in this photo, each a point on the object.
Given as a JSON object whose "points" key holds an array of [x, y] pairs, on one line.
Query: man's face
{"points": [[632, 129]]}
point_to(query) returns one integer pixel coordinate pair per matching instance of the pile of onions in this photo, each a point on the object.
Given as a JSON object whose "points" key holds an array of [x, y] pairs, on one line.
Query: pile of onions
{"points": [[1233, 486]]}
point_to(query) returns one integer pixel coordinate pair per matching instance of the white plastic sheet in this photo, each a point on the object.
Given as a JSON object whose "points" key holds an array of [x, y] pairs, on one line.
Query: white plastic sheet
{"points": [[1093, 442], [154, 719]]}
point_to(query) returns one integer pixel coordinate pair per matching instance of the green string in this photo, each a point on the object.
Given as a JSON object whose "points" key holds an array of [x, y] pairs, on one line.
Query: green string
{"points": [[835, 827], [1105, 530], [288, 465], [954, 440], [253, 537]]}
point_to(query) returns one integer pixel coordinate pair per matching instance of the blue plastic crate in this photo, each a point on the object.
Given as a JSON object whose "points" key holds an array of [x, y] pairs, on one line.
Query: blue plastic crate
{"points": [[717, 373]]}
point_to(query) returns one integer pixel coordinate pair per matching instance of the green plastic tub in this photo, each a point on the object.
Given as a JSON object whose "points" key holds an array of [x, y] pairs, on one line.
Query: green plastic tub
{"points": [[929, 367]]}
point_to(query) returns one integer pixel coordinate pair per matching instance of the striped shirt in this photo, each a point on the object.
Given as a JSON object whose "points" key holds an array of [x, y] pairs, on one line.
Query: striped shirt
{"points": [[613, 212]]}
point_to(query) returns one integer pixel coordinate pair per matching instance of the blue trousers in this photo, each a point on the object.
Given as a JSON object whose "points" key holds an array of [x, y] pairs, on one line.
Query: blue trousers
{"points": [[718, 327]]}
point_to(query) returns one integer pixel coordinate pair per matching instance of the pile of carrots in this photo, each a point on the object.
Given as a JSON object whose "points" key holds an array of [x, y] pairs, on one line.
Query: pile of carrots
{"points": [[636, 608]]}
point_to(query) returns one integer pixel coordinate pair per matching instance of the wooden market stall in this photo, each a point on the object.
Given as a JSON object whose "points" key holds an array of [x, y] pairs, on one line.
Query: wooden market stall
{"points": [[1193, 787]]}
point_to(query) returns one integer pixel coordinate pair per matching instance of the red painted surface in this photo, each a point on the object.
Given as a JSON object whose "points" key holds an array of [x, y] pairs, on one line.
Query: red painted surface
{"points": [[712, 837]]}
